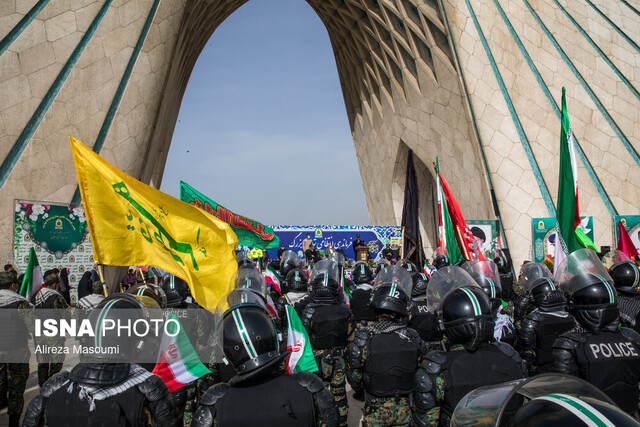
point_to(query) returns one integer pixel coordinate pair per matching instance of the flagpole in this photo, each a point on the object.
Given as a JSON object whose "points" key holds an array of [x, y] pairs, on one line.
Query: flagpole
{"points": [[402, 245], [104, 288]]}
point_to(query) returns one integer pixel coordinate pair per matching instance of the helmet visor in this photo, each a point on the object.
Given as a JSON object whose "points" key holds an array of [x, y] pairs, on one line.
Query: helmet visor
{"points": [[444, 281]]}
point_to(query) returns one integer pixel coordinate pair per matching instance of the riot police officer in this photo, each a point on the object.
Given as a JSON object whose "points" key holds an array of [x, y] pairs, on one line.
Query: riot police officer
{"points": [[294, 293], [441, 261], [506, 275], [150, 290], [101, 390], [288, 262], [424, 321], [407, 265], [522, 303], [597, 349], [473, 360], [361, 295], [545, 323], [626, 279], [329, 323], [384, 356], [485, 273], [249, 343]]}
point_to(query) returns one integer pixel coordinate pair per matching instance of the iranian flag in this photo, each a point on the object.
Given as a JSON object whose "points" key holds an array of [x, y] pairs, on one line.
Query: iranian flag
{"points": [[178, 364], [454, 237], [272, 278], [569, 235], [32, 282], [301, 357]]}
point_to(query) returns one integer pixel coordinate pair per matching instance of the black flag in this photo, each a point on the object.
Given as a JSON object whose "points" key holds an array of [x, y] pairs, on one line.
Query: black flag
{"points": [[411, 240]]}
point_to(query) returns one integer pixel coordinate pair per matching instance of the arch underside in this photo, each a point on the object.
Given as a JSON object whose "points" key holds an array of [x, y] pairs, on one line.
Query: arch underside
{"points": [[474, 82]]}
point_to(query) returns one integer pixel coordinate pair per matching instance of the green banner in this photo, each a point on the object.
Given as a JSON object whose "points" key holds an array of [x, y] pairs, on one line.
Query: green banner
{"points": [[544, 236], [250, 232]]}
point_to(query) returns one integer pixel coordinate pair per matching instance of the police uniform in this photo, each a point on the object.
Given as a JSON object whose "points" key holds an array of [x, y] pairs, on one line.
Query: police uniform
{"points": [[543, 325], [329, 323], [423, 320], [443, 378], [13, 346], [384, 356], [598, 350], [258, 394], [102, 393], [610, 360]]}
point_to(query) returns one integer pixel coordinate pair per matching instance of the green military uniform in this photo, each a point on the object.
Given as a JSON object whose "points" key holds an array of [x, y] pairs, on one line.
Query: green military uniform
{"points": [[333, 371], [381, 410], [13, 376]]}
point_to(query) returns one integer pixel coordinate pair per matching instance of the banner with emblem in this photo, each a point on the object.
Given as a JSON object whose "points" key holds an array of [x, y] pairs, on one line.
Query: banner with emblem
{"points": [[544, 236]]}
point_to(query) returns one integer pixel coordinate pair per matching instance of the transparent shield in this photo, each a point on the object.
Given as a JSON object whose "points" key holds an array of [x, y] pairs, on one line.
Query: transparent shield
{"points": [[326, 266], [613, 257], [444, 281], [529, 273], [394, 275], [493, 405], [580, 262]]}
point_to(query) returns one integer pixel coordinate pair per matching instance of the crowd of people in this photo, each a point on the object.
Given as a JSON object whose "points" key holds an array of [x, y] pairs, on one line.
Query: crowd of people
{"points": [[448, 345]]}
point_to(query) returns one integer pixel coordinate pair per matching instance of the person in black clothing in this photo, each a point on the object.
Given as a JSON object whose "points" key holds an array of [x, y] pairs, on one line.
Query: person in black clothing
{"points": [[85, 287], [597, 350], [98, 391], [423, 320], [626, 279], [258, 394]]}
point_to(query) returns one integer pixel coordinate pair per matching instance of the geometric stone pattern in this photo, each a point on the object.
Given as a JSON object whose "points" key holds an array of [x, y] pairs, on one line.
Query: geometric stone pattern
{"points": [[477, 83]]}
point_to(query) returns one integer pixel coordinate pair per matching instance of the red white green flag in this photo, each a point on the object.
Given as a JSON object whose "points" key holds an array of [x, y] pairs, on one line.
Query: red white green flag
{"points": [[178, 364], [569, 234], [272, 278], [301, 357], [32, 281], [460, 242]]}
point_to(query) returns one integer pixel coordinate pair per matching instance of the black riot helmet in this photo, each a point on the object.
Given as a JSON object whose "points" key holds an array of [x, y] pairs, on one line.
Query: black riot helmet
{"points": [[544, 292], [325, 282], [251, 280], [381, 264], [362, 273], [149, 290], [486, 274], [288, 262], [296, 281], [626, 277], [249, 341], [592, 301], [176, 290], [392, 291], [502, 261], [244, 261], [625, 274], [407, 265], [441, 261], [420, 281], [561, 410], [122, 308], [466, 317]]}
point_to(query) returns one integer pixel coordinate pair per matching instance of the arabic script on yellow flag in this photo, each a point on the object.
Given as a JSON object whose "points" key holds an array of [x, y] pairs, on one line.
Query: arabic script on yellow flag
{"points": [[132, 223]]}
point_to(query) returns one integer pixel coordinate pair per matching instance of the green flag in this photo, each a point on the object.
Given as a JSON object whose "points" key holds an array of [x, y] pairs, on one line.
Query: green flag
{"points": [[569, 236], [250, 232], [32, 281]]}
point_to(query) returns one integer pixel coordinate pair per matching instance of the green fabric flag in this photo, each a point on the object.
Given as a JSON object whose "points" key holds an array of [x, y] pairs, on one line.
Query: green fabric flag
{"points": [[569, 236], [250, 232], [32, 281]]}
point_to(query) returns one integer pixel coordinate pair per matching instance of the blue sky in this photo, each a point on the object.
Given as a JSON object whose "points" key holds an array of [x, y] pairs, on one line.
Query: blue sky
{"points": [[263, 128]]}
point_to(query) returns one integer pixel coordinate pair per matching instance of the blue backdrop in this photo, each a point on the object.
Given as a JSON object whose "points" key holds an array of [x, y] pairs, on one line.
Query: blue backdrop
{"points": [[340, 236]]}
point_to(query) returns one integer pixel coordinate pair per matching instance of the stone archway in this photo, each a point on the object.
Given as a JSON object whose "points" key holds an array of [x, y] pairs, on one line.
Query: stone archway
{"points": [[476, 83]]}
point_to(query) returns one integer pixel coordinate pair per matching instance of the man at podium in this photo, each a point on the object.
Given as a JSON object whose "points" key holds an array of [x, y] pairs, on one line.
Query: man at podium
{"points": [[359, 248]]}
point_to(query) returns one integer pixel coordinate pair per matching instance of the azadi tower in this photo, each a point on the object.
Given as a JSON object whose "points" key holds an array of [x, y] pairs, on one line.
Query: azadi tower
{"points": [[477, 82]]}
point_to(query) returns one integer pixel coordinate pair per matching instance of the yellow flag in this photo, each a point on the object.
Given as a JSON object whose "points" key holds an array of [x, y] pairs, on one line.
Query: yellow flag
{"points": [[131, 223]]}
